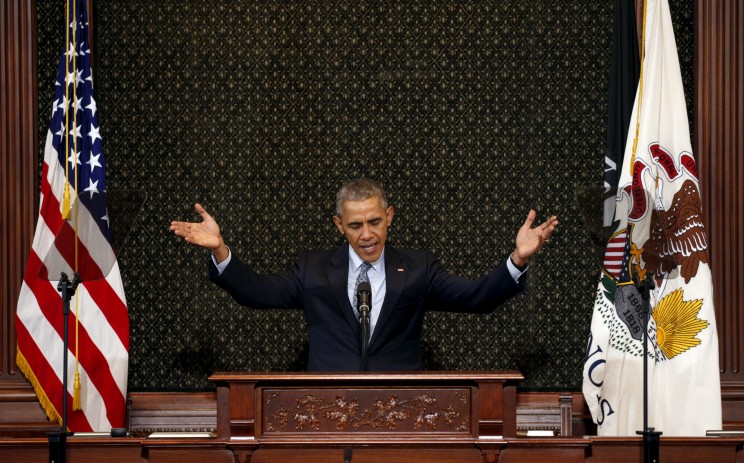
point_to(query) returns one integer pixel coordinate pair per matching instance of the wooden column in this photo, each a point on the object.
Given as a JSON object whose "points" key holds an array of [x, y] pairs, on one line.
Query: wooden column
{"points": [[719, 146], [20, 412], [19, 157]]}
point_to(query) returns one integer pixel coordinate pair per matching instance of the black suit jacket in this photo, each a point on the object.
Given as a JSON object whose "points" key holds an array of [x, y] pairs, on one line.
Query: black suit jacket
{"points": [[317, 284]]}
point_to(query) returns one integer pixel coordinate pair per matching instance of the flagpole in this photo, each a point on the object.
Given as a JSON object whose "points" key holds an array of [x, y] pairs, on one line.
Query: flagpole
{"points": [[651, 438]]}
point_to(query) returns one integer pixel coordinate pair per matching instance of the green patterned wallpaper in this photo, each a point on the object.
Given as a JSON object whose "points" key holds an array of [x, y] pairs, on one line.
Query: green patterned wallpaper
{"points": [[469, 112]]}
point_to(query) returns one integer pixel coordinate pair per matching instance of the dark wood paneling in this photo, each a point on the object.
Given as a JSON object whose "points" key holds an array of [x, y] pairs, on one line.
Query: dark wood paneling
{"points": [[368, 455], [36, 451], [671, 449], [18, 155], [559, 450], [719, 126]]}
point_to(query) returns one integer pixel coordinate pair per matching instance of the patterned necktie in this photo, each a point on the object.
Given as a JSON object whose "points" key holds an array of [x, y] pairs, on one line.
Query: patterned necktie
{"points": [[362, 277]]}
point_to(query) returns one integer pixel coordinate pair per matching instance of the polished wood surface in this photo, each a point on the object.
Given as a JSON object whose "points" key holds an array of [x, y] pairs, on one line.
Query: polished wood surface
{"points": [[411, 377], [510, 450]]}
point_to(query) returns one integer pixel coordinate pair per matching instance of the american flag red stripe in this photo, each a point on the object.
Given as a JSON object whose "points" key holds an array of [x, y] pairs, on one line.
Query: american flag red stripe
{"points": [[614, 254], [112, 307], [46, 374], [98, 320]]}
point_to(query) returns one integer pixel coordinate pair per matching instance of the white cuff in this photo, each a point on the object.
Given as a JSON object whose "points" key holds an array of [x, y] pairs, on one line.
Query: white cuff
{"points": [[513, 270], [222, 265]]}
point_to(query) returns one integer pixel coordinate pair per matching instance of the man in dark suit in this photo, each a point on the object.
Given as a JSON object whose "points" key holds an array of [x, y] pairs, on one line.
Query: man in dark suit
{"points": [[404, 283]]}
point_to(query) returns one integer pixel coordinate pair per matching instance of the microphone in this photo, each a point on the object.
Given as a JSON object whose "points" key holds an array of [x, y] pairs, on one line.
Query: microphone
{"points": [[364, 298], [364, 301]]}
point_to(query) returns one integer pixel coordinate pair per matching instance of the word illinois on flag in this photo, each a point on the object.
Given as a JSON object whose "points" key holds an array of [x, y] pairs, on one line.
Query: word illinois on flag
{"points": [[658, 228], [72, 234]]}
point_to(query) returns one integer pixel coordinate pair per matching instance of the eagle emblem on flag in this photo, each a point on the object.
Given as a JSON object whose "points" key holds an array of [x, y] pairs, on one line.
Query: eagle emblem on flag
{"points": [[677, 236]]}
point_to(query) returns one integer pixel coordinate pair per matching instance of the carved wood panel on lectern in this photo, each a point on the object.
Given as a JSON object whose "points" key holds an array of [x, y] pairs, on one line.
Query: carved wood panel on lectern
{"points": [[356, 410]]}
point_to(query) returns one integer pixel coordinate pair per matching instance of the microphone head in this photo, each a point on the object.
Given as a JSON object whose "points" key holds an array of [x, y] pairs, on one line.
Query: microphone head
{"points": [[364, 286]]}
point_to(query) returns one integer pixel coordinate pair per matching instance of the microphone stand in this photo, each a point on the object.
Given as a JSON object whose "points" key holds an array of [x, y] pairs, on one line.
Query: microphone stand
{"points": [[364, 295], [364, 331], [651, 438], [58, 440]]}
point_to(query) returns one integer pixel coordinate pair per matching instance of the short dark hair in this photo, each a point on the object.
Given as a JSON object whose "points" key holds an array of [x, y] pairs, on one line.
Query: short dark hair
{"points": [[358, 190]]}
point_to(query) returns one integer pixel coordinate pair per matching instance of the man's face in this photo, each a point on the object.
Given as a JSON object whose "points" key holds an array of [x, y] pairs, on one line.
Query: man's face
{"points": [[365, 225]]}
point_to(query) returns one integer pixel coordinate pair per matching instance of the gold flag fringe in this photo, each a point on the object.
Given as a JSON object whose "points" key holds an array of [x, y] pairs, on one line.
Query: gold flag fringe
{"points": [[46, 404]]}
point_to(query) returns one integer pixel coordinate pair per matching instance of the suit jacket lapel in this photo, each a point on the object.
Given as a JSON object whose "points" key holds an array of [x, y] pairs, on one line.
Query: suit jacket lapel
{"points": [[338, 274], [395, 280]]}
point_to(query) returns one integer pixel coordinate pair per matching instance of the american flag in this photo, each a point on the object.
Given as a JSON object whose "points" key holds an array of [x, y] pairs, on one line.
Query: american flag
{"points": [[98, 321], [616, 256]]}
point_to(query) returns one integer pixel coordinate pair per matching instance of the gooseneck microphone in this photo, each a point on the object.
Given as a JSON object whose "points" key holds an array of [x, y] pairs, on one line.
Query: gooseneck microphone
{"points": [[364, 303]]}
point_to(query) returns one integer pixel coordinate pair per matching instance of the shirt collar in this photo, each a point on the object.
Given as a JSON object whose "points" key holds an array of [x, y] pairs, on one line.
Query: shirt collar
{"points": [[355, 262]]}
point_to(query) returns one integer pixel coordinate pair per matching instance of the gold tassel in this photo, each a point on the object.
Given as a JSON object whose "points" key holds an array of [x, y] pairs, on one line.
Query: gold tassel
{"points": [[76, 394], [66, 202]]}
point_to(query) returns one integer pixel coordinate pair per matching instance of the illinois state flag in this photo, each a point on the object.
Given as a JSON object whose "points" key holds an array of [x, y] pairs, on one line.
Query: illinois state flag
{"points": [[98, 321], [658, 228]]}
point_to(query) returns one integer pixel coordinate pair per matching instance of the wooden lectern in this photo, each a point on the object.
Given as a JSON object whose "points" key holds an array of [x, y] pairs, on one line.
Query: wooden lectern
{"points": [[408, 416]]}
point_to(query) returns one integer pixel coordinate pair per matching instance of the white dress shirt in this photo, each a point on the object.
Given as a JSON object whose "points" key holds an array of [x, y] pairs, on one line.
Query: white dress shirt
{"points": [[376, 275]]}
